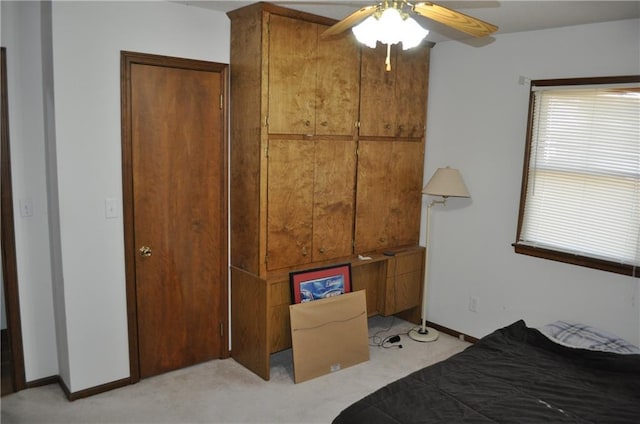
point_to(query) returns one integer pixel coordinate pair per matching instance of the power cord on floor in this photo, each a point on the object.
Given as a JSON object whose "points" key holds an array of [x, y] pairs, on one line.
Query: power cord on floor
{"points": [[388, 341]]}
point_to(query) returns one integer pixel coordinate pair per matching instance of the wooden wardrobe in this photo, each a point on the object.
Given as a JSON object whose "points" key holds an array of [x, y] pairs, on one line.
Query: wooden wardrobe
{"points": [[327, 152]]}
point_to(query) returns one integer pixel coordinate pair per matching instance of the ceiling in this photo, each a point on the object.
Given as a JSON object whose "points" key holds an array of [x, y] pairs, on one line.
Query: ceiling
{"points": [[509, 16]]}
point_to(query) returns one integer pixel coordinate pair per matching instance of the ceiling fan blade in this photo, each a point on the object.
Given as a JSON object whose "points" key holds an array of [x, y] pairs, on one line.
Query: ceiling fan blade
{"points": [[351, 20], [457, 20]]}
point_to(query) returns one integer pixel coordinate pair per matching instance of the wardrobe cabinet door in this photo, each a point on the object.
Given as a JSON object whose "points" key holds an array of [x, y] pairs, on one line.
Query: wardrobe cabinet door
{"points": [[373, 229], [333, 199], [408, 158], [337, 85], [388, 200], [292, 75], [290, 207], [377, 93], [412, 79]]}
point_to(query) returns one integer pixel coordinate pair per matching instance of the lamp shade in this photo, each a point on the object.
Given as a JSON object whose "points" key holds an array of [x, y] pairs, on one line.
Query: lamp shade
{"points": [[446, 182]]}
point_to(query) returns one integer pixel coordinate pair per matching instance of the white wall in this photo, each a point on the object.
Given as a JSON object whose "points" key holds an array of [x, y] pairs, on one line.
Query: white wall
{"points": [[21, 35], [477, 123], [86, 38]]}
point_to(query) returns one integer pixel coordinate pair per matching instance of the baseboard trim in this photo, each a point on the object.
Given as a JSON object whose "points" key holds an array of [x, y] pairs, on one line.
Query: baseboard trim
{"points": [[55, 379], [454, 333], [42, 382], [94, 390]]}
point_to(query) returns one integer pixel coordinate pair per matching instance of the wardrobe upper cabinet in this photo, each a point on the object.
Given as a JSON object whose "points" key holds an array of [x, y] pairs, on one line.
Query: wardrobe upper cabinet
{"points": [[394, 103], [313, 83]]}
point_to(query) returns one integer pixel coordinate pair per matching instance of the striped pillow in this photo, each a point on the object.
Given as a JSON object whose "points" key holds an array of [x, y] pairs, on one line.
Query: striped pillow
{"points": [[574, 334]]}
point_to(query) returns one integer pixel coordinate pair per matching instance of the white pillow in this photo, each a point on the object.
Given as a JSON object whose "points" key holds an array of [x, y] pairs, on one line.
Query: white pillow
{"points": [[574, 334]]}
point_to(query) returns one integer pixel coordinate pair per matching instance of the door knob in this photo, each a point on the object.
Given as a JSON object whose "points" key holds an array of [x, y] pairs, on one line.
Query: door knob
{"points": [[145, 251]]}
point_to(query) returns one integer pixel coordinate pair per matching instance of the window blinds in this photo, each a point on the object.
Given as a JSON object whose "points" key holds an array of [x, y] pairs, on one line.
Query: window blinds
{"points": [[583, 187]]}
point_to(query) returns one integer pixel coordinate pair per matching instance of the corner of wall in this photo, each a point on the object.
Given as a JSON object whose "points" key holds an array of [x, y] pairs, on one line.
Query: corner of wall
{"points": [[52, 194]]}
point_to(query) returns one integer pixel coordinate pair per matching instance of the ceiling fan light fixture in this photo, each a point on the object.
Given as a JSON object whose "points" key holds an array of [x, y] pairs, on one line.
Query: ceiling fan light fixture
{"points": [[366, 32], [412, 34], [390, 26]]}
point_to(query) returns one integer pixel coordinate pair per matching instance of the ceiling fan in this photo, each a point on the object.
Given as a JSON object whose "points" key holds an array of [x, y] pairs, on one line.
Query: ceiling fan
{"points": [[390, 22], [446, 16]]}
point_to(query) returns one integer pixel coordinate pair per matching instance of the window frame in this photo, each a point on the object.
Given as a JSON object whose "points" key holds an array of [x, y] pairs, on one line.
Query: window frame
{"points": [[547, 253]]}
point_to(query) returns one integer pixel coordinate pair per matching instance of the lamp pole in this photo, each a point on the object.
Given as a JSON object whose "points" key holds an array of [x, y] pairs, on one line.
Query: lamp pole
{"points": [[424, 333]]}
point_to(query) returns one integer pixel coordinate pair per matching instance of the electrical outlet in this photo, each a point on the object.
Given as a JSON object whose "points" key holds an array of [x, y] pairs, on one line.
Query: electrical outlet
{"points": [[473, 304]]}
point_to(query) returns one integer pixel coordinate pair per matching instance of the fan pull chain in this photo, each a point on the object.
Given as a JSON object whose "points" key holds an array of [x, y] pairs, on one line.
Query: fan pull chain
{"points": [[387, 61]]}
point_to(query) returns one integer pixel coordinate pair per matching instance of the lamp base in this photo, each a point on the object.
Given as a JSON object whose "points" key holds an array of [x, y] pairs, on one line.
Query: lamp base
{"points": [[427, 335]]}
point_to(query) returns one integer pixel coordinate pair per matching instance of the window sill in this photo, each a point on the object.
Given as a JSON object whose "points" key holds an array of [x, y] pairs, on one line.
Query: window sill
{"points": [[573, 259]]}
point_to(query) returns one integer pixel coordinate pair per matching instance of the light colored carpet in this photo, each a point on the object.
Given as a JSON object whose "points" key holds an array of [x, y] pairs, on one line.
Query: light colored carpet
{"points": [[223, 391]]}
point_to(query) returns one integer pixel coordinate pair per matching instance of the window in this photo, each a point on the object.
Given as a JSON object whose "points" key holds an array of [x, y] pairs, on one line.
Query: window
{"points": [[580, 199]]}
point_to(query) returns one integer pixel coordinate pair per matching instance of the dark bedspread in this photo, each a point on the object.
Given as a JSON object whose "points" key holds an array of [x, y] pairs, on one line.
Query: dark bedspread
{"points": [[513, 375]]}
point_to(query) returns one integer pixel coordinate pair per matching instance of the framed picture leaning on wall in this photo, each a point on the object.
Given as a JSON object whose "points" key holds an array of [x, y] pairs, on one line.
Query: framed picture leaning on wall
{"points": [[320, 283]]}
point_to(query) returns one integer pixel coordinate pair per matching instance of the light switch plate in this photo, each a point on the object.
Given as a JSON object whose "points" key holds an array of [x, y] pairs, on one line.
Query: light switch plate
{"points": [[26, 207], [110, 208]]}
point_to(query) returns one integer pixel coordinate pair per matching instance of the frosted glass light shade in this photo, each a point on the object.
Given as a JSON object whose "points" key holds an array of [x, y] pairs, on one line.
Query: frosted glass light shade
{"points": [[446, 182], [389, 27], [366, 32], [412, 34]]}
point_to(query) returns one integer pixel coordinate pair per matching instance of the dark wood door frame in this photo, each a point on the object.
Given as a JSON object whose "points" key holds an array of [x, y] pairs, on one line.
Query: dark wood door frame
{"points": [[9, 267], [127, 59]]}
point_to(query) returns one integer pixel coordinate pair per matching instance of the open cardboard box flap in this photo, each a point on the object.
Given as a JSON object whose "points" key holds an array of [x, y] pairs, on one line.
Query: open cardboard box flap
{"points": [[329, 335]]}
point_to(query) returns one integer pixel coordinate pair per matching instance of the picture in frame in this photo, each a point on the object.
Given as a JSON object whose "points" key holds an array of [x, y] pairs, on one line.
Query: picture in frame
{"points": [[320, 283]]}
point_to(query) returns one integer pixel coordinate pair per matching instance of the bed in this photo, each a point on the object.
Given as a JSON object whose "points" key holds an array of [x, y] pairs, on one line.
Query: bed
{"points": [[516, 374]]}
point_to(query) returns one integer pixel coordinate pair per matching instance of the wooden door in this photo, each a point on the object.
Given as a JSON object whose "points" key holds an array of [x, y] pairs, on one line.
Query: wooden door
{"points": [[178, 236]]}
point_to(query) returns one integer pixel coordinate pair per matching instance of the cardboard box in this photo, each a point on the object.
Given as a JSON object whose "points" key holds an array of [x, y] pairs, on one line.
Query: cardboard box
{"points": [[329, 334]]}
